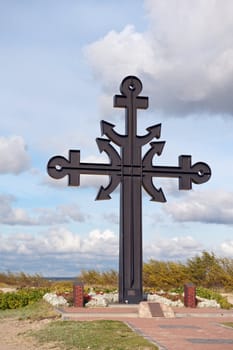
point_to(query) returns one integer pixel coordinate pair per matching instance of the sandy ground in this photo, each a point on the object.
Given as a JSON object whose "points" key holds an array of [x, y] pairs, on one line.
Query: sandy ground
{"points": [[13, 335]]}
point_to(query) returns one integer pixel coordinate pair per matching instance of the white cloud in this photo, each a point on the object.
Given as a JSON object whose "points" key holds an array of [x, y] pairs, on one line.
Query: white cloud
{"points": [[172, 248], [59, 240], [60, 214], [9, 215], [13, 155], [62, 249], [13, 216], [99, 242], [58, 252], [184, 58], [55, 241], [112, 218], [227, 248], [118, 53], [209, 207]]}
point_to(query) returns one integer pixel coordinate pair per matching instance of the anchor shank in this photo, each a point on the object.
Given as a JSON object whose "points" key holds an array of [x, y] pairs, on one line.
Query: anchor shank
{"points": [[130, 261]]}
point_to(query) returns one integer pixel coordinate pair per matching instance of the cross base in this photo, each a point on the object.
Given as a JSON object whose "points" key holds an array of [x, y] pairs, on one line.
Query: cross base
{"points": [[131, 296]]}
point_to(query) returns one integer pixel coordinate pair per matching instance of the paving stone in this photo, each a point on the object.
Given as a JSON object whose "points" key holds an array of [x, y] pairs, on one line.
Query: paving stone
{"points": [[178, 326], [210, 341]]}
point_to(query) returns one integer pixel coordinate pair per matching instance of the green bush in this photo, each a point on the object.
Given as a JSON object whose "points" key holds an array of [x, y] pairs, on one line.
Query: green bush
{"points": [[62, 287], [21, 298], [3, 301], [178, 290], [164, 274], [211, 295]]}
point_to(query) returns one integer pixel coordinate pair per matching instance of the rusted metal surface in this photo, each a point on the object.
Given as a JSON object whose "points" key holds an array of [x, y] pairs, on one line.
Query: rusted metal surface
{"points": [[131, 171]]}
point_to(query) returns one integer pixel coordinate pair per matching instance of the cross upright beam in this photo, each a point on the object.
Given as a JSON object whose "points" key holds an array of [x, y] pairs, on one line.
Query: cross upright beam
{"points": [[132, 172]]}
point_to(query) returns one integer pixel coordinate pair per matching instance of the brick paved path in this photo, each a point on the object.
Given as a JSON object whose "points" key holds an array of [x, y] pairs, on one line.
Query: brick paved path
{"points": [[191, 329], [192, 333]]}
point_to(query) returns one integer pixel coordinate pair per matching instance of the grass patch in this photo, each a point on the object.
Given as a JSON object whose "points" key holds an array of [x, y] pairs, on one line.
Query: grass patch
{"points": [[36, 311], [68, 335], [94, 335]]}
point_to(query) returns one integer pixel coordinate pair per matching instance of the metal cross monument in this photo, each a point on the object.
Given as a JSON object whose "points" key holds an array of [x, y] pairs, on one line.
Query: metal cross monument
{"points": [[131, 171]]}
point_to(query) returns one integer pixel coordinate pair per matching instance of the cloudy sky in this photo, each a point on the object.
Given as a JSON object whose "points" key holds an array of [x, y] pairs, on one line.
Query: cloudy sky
{"points": [[61, 62]]}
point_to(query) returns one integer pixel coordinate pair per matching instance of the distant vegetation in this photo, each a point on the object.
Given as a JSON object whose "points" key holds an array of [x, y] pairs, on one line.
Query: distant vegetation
{"points": [[107, 279], [206, 270], [22, 280]]}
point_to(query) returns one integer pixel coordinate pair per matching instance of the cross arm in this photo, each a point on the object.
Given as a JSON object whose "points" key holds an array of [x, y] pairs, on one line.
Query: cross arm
{"points": [[59, 167], [186, 173]]}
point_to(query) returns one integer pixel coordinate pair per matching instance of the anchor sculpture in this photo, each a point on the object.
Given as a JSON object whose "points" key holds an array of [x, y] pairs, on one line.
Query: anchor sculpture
{"points": [[131, 171]]}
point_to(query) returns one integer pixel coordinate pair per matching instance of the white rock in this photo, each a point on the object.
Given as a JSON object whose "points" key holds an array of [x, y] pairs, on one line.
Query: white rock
{"points": [[208, 303], [163, 300], [97, 301], [112, 298], [55, 300], [202, 302], [104, 300]]}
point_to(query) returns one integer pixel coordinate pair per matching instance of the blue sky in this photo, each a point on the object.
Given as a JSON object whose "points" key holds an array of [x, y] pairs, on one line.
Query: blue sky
{"points": [[60, 64]]}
